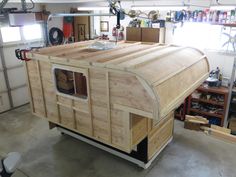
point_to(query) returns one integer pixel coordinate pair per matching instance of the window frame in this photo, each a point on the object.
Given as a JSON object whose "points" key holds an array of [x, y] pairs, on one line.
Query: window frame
{"points": [[72, 69]]}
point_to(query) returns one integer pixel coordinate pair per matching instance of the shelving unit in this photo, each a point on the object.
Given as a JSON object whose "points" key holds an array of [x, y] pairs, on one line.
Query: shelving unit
{"points": [[204, 103], [180, 112]]}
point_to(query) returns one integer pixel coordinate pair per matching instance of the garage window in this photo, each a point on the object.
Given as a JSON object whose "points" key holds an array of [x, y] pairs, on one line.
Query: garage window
{"points": [[32, 32], [71, 83], [10, 34], [200, 35]]}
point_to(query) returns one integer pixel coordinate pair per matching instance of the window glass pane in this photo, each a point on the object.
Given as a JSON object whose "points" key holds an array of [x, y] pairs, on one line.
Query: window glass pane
{"points": [[31, 32], [200, 35], [10, 34]]}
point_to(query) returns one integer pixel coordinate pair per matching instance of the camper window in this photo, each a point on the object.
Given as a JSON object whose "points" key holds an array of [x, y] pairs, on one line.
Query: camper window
{"points": [[71, 83]]}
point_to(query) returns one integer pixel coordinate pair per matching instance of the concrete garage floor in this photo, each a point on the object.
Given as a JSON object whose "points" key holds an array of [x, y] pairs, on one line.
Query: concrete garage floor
{"points": [[47, 153]]}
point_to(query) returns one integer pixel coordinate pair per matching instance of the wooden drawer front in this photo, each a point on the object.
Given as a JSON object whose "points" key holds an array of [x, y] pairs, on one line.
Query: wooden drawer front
{"points": [[158, 139]]}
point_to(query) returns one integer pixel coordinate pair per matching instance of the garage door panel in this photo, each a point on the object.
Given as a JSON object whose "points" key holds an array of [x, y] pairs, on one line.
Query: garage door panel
{"points": [[4, 102], [10, 58], [2, 82], [20, 96], [16, 77]]}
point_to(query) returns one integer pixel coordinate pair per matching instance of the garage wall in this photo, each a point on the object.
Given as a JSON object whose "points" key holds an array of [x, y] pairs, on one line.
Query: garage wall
{"points": [[13, 88], [57, 8]]}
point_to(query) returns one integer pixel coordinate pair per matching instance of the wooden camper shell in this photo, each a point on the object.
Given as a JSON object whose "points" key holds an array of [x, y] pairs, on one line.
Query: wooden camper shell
{"points": [[132, 81]]}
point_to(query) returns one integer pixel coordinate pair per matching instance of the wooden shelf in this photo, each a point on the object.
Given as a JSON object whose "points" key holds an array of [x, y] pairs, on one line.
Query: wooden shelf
{"points": [[225, 24], [208, 101], [229, 24], [218, 90], [206, 113]]}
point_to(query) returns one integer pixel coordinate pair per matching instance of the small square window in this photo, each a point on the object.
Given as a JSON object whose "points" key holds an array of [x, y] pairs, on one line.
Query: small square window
{"points": [[10, 34], [71, 83]]}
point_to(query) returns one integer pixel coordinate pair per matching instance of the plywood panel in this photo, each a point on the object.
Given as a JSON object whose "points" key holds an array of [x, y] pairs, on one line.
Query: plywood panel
{"points": [[173, 88], [139, 128], [99, 104], [83, 123], [126, 90], [36, 88], [101, 130], [81, 105], [160, 135], [67, 117], [49, 92], [65, 101], [120, 126]]}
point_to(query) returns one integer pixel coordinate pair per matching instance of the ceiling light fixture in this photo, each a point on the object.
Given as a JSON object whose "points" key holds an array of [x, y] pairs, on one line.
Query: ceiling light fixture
{"points": [[160, 8], [104, 8]]}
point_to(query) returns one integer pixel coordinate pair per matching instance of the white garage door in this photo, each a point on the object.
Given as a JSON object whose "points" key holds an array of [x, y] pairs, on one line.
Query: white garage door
{"points": [[13, 88]]}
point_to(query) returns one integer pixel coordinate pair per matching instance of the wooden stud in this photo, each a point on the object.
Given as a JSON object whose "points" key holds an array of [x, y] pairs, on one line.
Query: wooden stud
{"points": [[108, 105], [29, 87], [41, 87]]}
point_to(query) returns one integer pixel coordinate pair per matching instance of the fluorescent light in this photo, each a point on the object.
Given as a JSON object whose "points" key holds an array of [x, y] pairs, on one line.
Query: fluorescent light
{"points": [[160, 8], [93, 8], [221, 7]]}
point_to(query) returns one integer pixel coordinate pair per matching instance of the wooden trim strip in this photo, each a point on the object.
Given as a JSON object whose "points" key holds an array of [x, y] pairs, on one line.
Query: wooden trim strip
{"points": [[29, 87], [133, 110], [41, 86], [89, 102], [58, 110], [108, 106], [72, 107]]}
